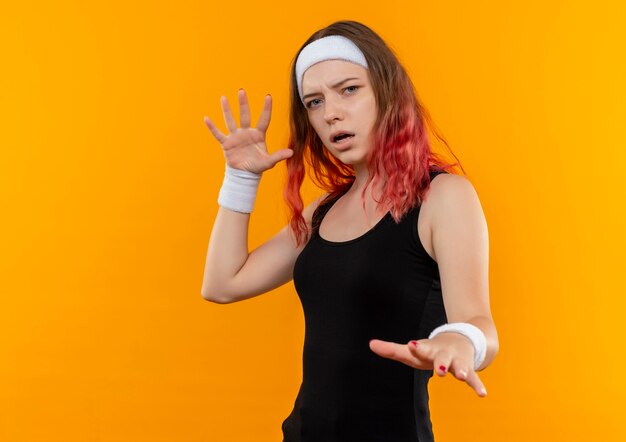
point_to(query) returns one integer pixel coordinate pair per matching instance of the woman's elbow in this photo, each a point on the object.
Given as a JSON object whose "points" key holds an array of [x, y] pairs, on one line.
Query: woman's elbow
{"points": [[215, 297]]}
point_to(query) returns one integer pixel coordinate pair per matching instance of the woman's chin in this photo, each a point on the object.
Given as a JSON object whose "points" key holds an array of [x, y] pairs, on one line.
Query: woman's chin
{"points": [[344, 157], [348, 156]]}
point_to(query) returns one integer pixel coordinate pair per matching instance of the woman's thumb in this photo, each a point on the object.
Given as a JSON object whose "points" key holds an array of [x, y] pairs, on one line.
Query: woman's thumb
{"points": [[280, 155]]}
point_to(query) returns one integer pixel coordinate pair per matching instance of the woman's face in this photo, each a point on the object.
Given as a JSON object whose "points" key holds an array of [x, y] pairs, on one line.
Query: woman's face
{"points": [[339, 98]]}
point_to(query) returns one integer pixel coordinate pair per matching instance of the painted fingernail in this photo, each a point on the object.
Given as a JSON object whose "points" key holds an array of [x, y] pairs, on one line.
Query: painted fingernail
{"points": [[442, 368], [414, 343]]}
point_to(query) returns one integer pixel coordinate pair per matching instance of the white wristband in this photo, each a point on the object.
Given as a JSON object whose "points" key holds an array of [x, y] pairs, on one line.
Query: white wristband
{"points": [[239, 190], [472, 332]]}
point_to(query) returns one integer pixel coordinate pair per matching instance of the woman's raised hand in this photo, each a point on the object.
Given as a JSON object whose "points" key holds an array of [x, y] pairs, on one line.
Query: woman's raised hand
{"points": [[244, 147]]}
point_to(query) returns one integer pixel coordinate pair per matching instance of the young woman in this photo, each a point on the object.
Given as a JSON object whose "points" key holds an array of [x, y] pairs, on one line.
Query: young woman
{"points": [[390, 264]]}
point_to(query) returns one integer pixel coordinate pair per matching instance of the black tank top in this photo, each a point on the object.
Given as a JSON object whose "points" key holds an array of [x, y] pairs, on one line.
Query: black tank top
{"points": [[381, 285]]}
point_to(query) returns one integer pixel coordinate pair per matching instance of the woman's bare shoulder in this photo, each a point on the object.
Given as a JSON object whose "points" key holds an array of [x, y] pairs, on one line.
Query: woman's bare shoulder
{"points": [[450, 186], [451, 195]]}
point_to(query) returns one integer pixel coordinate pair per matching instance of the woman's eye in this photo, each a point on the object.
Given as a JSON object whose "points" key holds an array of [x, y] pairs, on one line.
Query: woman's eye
{"points": [[310, 103]]}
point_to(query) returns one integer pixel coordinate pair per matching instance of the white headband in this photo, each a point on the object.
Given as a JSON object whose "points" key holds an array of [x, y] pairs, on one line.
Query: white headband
{"points": [[333, 47]]}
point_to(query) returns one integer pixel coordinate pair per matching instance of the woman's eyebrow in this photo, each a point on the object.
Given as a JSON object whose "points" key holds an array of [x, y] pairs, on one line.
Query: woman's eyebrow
{"points": [[333, 86]]}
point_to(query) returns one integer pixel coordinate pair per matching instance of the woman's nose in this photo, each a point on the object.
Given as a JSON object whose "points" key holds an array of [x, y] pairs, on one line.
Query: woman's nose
{"points": [[332, 110]]}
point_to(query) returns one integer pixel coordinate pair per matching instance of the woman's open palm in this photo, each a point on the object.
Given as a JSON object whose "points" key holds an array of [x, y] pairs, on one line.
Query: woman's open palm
{"points": [[447, 352], [244, 147]]}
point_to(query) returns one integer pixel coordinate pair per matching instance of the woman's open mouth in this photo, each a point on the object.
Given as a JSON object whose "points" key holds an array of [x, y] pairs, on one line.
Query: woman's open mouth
{"points": [[343, 139]]}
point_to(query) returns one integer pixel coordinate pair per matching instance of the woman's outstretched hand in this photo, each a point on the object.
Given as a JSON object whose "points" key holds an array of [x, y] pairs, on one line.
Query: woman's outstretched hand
{"points": [[448, 352], [244, 147]]}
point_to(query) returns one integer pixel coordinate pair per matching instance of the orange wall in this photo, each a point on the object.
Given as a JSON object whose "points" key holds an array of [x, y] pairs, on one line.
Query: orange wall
{"points": [[109, 181]]}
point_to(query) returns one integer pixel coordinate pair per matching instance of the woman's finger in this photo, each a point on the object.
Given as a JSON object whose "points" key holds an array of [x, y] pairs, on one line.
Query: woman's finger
{"points": [[420, 349], [463, 372], [425, 349], [266, 114], [397, 352], [441, 362], [244, 109], [474, 381], [228, 115], [219, 136]]}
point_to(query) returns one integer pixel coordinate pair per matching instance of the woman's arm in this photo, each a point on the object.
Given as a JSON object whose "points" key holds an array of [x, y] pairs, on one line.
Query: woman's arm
{"points": [[460, 244], [230, 272], [232, 275]]}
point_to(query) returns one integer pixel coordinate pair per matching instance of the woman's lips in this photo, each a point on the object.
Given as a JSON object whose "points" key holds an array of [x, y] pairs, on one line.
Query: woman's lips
{"points": [[344, 143]]}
